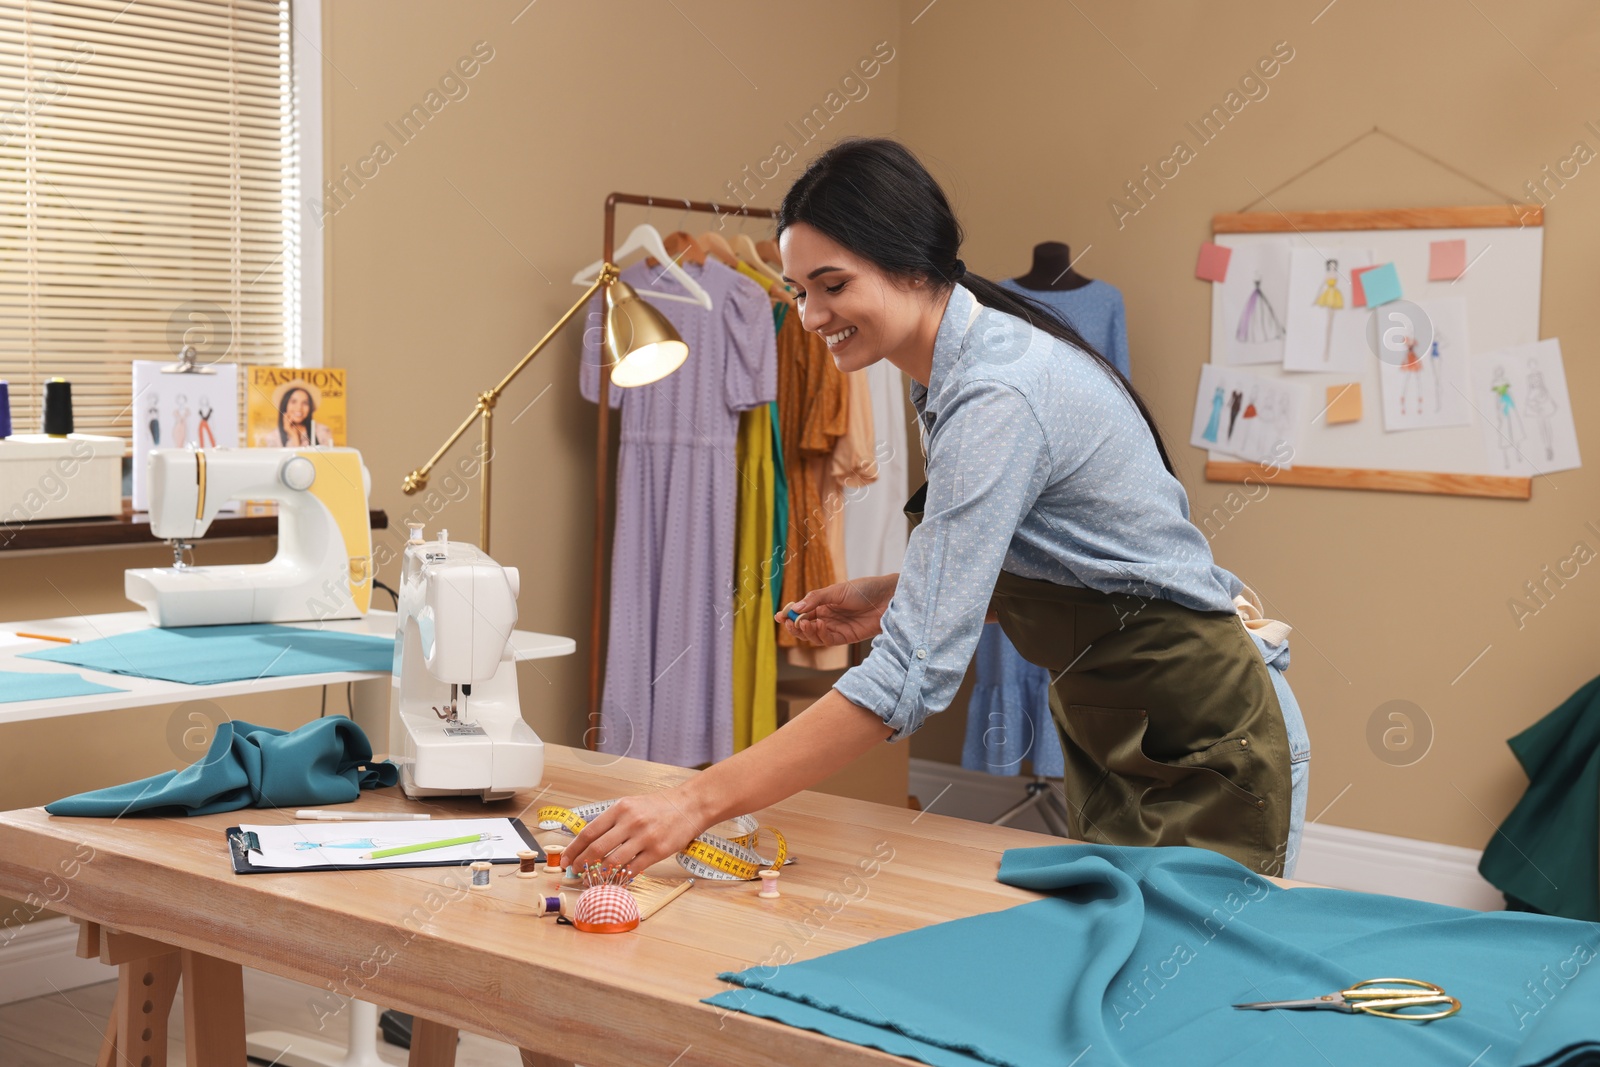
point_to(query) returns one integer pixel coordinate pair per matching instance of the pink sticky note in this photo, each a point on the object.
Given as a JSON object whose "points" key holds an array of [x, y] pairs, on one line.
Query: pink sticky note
{"points": [[1446, 260], [1358, 295], [1212, 266]]}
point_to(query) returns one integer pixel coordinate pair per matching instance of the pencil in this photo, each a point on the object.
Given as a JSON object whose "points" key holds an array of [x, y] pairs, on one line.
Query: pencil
{"points": [[49, 637], [401, 850]]}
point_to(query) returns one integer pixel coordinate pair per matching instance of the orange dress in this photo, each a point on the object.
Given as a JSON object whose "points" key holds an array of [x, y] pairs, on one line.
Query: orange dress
{"points": [[813, 413]]}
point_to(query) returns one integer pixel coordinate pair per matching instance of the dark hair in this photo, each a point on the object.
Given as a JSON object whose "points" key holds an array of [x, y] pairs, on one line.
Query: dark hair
{"points": [[874, 197], [283, 409]]}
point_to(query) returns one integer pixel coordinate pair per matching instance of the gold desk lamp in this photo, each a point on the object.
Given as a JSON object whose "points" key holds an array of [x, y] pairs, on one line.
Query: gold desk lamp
{"points": [[642, 345]]}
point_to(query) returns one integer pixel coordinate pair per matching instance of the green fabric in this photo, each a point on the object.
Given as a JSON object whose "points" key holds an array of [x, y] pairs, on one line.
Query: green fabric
{"points": [[326, 761], [206, 655], [1170, 727], [1138, 954], [780, 511], [29, 685], [1547, 852]]}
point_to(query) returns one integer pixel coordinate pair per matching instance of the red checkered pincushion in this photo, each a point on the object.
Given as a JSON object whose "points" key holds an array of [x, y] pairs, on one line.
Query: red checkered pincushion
{"points": [[605, 909]]}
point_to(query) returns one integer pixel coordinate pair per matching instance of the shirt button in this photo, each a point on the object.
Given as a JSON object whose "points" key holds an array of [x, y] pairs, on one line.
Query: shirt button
{"points": [[922, 653]]}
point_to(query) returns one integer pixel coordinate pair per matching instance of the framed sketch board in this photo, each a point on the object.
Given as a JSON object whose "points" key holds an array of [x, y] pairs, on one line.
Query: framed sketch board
{"points": [[1499, 291]]}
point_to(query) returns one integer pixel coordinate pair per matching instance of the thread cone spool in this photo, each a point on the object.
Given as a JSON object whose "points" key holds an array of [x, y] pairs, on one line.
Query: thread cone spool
{"points": [[5, 409], [57, 407], [769, 884], [606, 909], [480, 875]]}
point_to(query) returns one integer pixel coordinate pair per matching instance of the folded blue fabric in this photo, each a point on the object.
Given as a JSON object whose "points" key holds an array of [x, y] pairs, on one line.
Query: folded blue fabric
{"points": [[206, 655], [1138, 955], [326, 761], [28, 685]]}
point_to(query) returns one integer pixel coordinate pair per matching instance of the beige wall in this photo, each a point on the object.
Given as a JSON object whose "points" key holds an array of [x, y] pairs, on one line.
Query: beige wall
{"points": [[1034, 118], [454, 257]]}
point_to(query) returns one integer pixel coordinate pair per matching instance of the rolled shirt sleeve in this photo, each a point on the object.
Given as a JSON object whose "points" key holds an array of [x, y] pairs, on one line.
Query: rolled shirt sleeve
{"points": [[988, 461]]}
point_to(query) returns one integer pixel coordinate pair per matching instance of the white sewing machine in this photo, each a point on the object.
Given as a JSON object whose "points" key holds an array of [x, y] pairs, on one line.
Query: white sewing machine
{"points": [[455, 721], [323, 567]]}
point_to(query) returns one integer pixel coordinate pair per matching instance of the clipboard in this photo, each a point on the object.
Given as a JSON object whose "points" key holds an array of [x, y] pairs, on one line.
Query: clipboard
{"points": [[240, 842]]}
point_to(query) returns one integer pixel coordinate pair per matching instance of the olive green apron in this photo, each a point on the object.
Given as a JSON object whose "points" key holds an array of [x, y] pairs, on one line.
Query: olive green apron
{"points": [[1170, 728]]}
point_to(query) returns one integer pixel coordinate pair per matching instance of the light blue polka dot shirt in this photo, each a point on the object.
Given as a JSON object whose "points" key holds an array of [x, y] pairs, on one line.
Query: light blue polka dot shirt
{"points": [[1040, 465]]}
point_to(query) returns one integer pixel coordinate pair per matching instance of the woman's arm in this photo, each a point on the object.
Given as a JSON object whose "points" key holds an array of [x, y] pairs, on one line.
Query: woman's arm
{"points": [[640, 830]]}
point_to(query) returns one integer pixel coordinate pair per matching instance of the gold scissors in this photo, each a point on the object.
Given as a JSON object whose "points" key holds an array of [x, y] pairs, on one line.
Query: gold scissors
{"points": [[1374, 997]]}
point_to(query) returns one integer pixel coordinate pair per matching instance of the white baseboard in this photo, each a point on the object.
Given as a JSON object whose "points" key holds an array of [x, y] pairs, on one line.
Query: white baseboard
{"points": [[41, 957], [1329, 855]]}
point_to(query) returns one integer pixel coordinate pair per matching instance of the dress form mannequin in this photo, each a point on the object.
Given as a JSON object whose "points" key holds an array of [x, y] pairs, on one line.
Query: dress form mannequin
{"points": [[1052, 269]]}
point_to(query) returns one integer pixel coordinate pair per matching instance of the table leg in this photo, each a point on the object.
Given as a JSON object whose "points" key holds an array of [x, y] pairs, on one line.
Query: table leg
{"points": [[213, 1011], [432, 1044], [137, 1032]]}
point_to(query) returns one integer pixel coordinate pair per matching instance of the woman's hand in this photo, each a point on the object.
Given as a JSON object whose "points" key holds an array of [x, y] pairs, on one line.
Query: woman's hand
{"points": [[842, 613], [635, 832]]}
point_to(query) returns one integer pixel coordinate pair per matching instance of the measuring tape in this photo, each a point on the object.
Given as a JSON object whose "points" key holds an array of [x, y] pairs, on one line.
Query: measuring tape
{"points": [[707, 856]]}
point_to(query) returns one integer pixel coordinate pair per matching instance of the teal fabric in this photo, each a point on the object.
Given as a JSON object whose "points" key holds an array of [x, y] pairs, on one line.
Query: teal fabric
{"points": [[29, 685], [207, 655], [326, 761], [1547, 852], [1138, 954]]}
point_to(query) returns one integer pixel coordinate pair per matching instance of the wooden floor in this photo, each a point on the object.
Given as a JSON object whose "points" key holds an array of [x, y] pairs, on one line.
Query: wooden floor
{"points": [[63, 1029]]}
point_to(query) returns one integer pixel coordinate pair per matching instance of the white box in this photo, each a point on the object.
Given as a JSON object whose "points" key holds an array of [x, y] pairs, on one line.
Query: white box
{"points": [[74, 477]]}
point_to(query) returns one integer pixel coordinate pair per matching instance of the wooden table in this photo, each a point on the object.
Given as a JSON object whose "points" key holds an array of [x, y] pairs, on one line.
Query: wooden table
{"points": [[159, 898]]}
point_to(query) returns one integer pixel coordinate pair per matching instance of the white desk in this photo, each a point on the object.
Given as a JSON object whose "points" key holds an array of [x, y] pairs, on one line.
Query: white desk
{"points": [[143, 692]]}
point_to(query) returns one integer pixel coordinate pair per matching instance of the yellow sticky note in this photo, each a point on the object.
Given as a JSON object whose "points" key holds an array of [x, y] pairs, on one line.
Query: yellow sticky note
{"points": [[1344, 403]]}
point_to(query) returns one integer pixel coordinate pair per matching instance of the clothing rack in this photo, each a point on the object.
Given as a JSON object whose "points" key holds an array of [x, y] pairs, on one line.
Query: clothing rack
{"points": [[602, 472]]}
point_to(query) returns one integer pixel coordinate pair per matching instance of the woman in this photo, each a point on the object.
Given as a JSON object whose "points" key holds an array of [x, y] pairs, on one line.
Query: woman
{"points": [[1051, 503], [297, 427]]}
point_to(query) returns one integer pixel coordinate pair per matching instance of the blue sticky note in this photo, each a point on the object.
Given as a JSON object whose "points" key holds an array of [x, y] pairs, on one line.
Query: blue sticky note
{"points": [[1381, 285]]}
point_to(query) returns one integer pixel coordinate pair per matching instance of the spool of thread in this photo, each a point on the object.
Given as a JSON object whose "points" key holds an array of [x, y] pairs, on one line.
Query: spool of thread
{"points": [[5, 409], [552, 863], [57, 407], [480, 874], [769, 884], [529, 864], [548, 905], [569, 878]]}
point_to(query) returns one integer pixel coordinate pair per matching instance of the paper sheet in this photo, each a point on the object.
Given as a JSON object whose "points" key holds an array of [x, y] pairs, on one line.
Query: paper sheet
{"points": [[1520, 399], [1247, 415], [181, 411], [1427, 385], [317, 844], [1325, 330], [1253, 303]]}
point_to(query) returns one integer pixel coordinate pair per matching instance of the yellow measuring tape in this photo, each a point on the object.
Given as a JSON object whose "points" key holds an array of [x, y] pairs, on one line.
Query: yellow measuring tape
{"points": [[707, 856]]}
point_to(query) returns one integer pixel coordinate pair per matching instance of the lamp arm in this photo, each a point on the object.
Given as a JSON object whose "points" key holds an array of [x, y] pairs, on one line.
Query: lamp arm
{"points": [[418, 479]]}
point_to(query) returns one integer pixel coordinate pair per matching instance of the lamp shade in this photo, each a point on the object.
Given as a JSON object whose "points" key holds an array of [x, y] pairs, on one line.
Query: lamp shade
{"points": [[642, 345]]}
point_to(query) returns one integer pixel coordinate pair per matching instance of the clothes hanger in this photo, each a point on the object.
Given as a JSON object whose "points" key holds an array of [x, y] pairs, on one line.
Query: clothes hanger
{"points": [[684, 248], [717, 245], [648, 238], [745, 249], [767, 249]]}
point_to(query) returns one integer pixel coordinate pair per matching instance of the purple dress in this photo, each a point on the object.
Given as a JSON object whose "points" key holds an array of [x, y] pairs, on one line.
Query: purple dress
{"points": [[669, 657]]}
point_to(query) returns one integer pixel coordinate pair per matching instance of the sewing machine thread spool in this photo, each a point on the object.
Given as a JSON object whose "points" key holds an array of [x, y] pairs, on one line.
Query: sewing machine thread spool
{"points": [[5, 409], [58, 407], [528, 864], [548, 906], [552, 862], [480, 874], [769, 884]]}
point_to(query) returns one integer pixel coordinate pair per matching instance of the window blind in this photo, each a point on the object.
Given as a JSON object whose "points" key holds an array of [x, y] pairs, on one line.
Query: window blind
{"points": [[148, 183]]}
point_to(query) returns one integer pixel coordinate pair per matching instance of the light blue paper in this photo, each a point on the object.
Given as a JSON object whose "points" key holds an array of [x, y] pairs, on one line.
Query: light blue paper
{"points": [[209, 655], [1381, 285]]}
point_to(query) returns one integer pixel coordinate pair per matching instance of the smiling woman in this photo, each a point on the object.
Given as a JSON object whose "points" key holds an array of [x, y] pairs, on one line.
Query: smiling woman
{"points": [[1051, 503]]}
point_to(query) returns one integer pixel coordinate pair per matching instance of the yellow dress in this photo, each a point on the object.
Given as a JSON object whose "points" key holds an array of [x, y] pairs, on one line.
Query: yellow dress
{"points": [[1330, 297], [755, 647]]}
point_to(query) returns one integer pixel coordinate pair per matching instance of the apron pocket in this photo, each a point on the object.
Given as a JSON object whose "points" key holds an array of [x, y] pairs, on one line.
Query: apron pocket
{"points": [[1140, 800]]}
